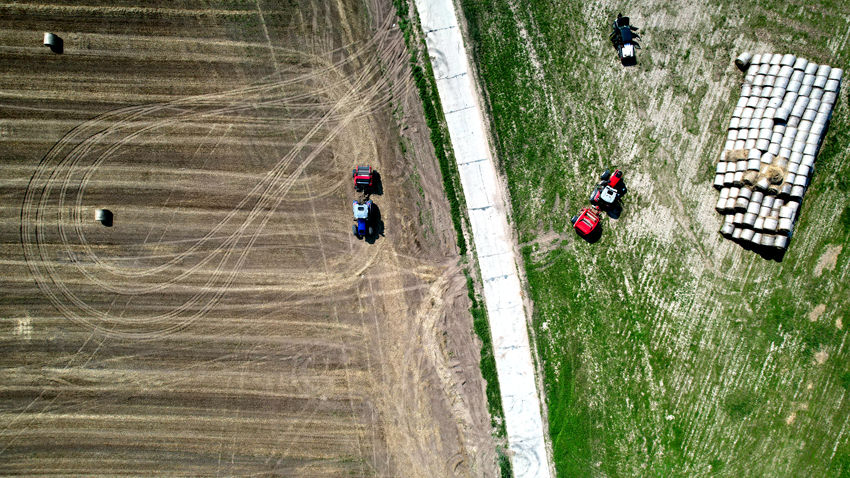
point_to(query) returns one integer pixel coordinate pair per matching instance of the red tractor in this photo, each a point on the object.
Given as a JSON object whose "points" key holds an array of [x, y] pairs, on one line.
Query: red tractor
{"points": [[609, 190], [363, 176], [587, 221]]}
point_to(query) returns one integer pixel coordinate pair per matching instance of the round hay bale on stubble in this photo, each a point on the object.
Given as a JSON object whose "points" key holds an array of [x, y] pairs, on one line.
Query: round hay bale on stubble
{"points": [[820, 82], [766, 128], [49, 39], [763, 68], [811, 68], [728, 178], [774, 70], [805, 91], [726, 230], [801, 180], [788, 60], [811, 149], [804, 170], [734, 122], [757, 196], [780, 242], [759, 224], [785, 72], [773, 104], [747, 234], [743, 61], [801, 63], [785, 189], [729, 207], [793, 121], [721, 204], [745, 193], [756, 239], [768, 202], [797, 192], [767, 240], [741, 204], [808, 80], [766, 92], [776, 58], [836, 74], [810, 115], [808, 160], [824, 70], [749, 219], [721, 167], [816, 94], [792, 169], [738, 179]]}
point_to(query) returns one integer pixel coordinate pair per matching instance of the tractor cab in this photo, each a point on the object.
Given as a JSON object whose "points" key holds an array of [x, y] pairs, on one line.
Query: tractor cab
{"points": [[610, 189], [361, 215], [362, 178]]}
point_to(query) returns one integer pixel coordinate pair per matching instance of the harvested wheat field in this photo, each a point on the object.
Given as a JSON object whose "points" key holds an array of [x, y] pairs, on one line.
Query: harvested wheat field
{"points": [[227, 321]]}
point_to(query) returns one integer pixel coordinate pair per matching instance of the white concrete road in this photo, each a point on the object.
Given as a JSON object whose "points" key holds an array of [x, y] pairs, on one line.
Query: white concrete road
{"points": [[493, 242]]}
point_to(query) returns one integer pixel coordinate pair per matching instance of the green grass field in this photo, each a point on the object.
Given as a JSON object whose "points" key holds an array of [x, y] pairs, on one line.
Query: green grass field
{"points": [[667, 350]]}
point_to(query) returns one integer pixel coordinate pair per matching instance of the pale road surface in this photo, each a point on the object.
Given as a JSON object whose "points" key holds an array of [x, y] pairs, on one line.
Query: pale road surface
{"points": [[491, 235]]}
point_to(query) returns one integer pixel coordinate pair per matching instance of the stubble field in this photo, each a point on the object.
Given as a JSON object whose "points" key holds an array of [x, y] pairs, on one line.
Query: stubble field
{"points": [[227, 322]]}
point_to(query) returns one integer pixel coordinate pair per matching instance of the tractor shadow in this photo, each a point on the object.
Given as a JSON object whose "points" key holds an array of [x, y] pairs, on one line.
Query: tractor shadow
{"points": [[376, 224], [629, 61], [615, 211]]}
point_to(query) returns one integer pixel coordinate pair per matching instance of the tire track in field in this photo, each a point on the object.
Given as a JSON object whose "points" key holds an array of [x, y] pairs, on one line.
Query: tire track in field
{"points": [[368, 92]]}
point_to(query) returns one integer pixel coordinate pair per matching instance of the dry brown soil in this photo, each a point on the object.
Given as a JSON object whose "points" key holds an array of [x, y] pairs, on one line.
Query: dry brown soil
{"points": [[228, 322]]}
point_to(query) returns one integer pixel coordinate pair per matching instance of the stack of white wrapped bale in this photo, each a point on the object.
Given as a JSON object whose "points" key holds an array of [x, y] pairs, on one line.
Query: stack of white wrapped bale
{"points": [[774, 135]]}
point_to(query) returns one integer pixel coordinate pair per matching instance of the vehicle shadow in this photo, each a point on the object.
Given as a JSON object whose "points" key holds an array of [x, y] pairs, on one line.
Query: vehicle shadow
{"points": [[594, 235], [615, 211], [376, 225], [377, 186]]}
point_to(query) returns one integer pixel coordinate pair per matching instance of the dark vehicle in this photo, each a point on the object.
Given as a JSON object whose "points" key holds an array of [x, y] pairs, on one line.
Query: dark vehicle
{"points": [[624, 37]]}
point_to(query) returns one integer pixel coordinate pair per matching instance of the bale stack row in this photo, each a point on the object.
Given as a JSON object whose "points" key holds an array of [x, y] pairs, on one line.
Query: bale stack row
{"points": [[774, 135]]}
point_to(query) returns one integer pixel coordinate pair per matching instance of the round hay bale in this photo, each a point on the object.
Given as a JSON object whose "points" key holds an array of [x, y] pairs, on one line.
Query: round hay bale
{"points": [[747, 234], [810, 115], [757, 196], [797, 192], [808, 160], [829, 97], [734, 122], [792, 168], [753, 207], [801, 64], [775, 59], [766, 128], [763, 68], [801, 180], [732, 135], [773, 103], [780, 85], [766, 92], [740, 165], [759, 224], [730, 204], [811, 149], [746, 92], [784, 224], [770, 224], [820, 82], [774, 70], [785, 212], [793, 121], [831, 86], [793, 87], [767, 240], [785, 190], [752, 133], [104, 216], [804, 170], [743, 61], [780, 162], [49, 39], [768, 202], [741, 204], [786, 72], [805, 91], [756, 60], [742, 103], [745, 193], [824, 70], [774, 189], [808, 80], [728, 178], [756, 239], [726, 230], [773, 149], [758, 81], [738, 179], [736, 233], [737, 219], [798, 147], [769, 114], [753, 100], [749, 219], [753, 164], [721, 167], [718, 181], [780, 242], [721, 204], [782, 114], [812, 68], [836, 74], [821, 119], [788, 139], [739, 110], [740, 144], [816, 94], [762, 144], [788, 60]]}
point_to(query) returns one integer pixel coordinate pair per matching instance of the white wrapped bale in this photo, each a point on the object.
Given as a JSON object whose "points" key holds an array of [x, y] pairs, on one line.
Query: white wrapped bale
{"points": [[780, 242], [749, 219], [807, 80], [753, 207], [836, 74], [801, 64], [767, 240], [820, 82], [831, 86], [808, 160], [747, 234], [736, 233], [788, 60], [737, 219], [726, 230], [743, 61], [797, 192], [756, 240], [824, 70], [741, 204], [770, 224], [812, 69], [759, 224]]}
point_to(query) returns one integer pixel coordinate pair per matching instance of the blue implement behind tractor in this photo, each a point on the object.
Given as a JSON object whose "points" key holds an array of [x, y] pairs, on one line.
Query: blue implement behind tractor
{"points": [[361, 215]]}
